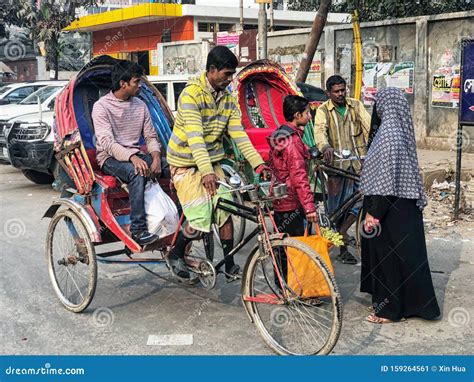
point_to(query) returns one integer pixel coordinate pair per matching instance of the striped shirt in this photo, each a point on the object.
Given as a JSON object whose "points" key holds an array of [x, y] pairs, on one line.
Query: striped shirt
{"points": [[119, 126], [200, 125]]}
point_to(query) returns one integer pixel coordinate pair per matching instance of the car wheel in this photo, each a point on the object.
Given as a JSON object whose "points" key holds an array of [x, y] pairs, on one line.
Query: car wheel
{"points": [[38, 177]]}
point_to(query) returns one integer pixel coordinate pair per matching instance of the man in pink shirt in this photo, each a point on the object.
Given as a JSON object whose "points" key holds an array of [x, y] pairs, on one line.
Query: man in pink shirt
{"points": [[120, 120]]}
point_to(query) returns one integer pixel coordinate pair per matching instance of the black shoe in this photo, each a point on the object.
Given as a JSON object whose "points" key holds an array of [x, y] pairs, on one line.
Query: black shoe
{"points": [[233, 272], [144, 237], [178, 266]]}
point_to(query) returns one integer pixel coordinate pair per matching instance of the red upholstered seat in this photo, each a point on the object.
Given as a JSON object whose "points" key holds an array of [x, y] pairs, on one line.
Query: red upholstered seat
{"points": [[258, 137], [270, 102], [109, 181]]}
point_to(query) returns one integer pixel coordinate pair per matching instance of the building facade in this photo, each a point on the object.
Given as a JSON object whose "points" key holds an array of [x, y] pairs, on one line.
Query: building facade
{"points": [[134, 32]]}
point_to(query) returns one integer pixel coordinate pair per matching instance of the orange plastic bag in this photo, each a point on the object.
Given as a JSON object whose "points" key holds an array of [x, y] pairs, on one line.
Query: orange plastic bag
{"points": [[304, 276]]}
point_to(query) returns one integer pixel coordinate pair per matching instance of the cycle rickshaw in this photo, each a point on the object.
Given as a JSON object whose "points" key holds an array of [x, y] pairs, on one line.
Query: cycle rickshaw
{"points": [[260, 88], [291, 318]]}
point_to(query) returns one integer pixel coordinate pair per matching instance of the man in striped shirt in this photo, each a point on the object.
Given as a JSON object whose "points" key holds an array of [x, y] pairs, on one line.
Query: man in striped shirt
{"points": [[206, 111], [120, 120]]}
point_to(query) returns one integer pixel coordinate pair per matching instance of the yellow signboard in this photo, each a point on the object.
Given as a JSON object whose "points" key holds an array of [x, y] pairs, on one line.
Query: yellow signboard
{"points": [[263, 1]]}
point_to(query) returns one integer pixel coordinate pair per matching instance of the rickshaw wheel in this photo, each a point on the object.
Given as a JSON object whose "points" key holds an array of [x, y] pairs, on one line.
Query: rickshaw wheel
{"points": [[292, 324], [72, 263]]}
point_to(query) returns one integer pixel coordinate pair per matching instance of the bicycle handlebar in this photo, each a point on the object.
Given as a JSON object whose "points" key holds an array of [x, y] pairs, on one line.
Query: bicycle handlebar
{"points": [[246, 187]]}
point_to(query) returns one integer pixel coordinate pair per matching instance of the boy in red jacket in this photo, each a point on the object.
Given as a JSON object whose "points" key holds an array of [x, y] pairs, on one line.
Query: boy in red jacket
{"points": [[288, 161]]}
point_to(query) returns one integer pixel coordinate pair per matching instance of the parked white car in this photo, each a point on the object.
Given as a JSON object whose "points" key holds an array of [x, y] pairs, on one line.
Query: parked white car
{"points": [[43, 100], [16, 92]]}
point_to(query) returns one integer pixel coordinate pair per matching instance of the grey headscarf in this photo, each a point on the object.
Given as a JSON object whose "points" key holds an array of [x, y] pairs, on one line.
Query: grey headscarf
{"points": [[391, 166]]}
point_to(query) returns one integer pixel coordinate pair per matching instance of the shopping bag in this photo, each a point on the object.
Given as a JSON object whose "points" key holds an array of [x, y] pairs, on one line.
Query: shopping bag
{"points": [[304, 276], [161, 212]]}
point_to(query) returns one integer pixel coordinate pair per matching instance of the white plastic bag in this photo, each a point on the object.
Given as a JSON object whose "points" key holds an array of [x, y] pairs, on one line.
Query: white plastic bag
{"points": [[161, 212]]}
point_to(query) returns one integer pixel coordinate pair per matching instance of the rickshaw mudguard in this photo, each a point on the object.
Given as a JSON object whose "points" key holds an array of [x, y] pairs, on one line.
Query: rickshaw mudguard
{"points": [[85, 214]]}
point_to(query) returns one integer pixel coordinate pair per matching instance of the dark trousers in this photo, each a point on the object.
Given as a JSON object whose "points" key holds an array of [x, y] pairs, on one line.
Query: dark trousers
{"points": [[125, 171], [292, 223]]}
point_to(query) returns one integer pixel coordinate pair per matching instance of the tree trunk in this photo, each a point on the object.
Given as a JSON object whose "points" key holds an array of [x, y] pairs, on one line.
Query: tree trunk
{"points": [[313, 40]]}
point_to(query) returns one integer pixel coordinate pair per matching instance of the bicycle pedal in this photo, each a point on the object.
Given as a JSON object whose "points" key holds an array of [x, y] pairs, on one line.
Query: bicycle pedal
{"points": [[231, 279]]}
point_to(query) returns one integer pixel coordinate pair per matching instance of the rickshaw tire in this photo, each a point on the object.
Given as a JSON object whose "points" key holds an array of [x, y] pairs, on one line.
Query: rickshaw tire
{"points": [[336, 300], [38, 177], [92, 277]]}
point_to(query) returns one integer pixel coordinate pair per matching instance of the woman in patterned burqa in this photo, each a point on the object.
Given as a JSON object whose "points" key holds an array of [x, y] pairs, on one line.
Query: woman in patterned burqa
{"points": [[395, 269]]}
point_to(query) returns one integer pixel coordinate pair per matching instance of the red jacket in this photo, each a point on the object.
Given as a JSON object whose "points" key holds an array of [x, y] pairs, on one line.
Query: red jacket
{"points": [[288, 160]]}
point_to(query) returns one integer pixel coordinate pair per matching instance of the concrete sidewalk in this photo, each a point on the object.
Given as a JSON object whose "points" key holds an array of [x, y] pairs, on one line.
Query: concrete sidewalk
{"points": [[432, 159]]}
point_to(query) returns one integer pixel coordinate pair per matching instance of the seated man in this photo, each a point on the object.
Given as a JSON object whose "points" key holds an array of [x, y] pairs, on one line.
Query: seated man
{"points": [[206, 111], [120, 119]]}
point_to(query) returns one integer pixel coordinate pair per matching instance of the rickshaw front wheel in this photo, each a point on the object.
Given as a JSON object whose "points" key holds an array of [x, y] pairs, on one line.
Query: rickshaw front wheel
{"points": [[72, 263], [297, 310]]}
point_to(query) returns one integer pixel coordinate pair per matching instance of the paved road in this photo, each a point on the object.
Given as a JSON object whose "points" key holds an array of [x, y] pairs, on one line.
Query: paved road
{"points": [[131, 304]]}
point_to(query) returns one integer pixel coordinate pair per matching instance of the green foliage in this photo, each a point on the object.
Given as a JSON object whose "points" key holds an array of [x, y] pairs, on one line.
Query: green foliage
{"points": [[372, 10], [44, 22]]}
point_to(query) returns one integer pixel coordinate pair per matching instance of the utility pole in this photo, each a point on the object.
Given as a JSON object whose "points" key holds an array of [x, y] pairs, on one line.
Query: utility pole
{"points": [[241, 6], [313, 40], [272, 21], [262, 29]]}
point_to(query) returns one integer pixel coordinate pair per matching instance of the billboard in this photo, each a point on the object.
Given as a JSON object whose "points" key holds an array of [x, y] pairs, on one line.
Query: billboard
{"points": [[466, 108]]}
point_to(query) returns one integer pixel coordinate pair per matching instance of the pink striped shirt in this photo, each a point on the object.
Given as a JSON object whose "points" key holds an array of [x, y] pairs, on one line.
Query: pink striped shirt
{"points": [[118, 127]]}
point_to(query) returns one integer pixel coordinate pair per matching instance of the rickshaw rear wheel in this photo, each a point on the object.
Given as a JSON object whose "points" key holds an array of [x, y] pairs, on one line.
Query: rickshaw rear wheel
{"points": [[72, 263]]}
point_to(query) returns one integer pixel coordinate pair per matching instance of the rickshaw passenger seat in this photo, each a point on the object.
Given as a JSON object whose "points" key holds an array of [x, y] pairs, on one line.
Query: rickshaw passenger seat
{"points": [[109, 180]]}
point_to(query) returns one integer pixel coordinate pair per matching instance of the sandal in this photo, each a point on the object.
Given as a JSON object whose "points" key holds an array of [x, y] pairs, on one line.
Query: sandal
{"points": [[372, 318], [345, 257]]}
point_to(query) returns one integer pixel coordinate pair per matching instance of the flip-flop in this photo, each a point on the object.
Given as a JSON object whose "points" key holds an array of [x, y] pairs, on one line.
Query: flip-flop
{"points": [[373, 319]]}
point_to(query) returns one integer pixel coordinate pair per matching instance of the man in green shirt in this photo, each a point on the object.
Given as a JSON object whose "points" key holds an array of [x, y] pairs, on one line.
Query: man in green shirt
{"points": [[342, 123]]}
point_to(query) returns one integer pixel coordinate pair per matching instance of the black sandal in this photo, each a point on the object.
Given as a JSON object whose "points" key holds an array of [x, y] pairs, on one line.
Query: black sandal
{"points": [[345, 257]]}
